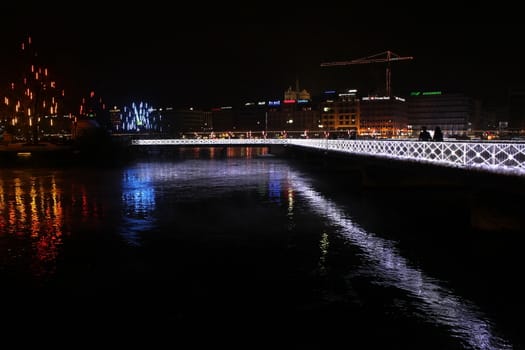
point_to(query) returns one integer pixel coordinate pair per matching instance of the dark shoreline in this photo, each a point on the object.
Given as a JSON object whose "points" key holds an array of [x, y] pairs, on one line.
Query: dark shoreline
{"points": [[57, 155]]}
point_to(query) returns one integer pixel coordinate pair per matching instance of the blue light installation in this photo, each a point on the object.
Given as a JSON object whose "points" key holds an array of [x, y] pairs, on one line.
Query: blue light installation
{"points": [[140, 117]]}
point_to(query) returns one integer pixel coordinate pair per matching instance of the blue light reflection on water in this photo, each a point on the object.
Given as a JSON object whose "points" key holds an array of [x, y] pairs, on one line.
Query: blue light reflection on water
{"points": [[138, 201], [191, 181]]}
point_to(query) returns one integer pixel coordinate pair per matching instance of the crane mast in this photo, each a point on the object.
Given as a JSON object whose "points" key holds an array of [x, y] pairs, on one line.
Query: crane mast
{"points": [[386, 56]]}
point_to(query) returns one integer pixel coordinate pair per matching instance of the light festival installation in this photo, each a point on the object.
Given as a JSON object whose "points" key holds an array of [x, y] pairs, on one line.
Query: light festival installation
{"points": [[140, 117]]}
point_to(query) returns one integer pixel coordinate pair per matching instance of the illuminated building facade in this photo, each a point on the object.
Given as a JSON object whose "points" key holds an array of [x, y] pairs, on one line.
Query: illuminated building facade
{"points": [[295, 112], [340, 111], [292, 115], [296, 94], [383, 117]]}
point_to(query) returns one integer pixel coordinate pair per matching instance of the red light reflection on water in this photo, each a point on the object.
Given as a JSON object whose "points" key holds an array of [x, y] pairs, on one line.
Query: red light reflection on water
{"points": [[31, 211], [33, 220], [228, 152]]}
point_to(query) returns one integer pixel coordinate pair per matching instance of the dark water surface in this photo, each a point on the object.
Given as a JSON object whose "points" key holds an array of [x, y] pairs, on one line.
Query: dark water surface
{"points": [[236, 247]]}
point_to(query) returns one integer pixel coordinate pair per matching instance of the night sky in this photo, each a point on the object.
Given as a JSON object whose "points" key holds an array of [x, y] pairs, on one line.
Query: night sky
{"points": [[210, 55]]}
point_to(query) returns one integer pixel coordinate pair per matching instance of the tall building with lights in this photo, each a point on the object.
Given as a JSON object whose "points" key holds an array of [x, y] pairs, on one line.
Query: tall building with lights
{"points": [[295, 112], [383, 117], [340, 111]]}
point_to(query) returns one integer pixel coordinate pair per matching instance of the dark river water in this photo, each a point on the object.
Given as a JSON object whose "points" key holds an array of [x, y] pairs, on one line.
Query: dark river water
{"points": [[236, 247]]}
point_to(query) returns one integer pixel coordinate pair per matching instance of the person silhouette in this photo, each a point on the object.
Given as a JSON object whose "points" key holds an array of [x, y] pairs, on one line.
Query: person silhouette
{"points": [[438, 134], [424, 135]]}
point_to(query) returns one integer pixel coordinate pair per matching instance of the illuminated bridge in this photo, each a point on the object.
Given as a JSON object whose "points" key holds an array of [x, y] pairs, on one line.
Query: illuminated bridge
{"points": [[494, 157]]}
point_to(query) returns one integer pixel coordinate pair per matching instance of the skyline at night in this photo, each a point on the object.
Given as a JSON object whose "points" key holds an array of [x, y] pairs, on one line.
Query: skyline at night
{"points": [[219, 174], [148, 54]]}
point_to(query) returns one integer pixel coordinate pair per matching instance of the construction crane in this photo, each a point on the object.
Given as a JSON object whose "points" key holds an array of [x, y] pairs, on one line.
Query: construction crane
{"points": [[387, 56]]}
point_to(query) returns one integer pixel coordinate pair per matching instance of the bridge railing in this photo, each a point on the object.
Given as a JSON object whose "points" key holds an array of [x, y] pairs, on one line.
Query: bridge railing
{"points": [[494, 157], [207, 142], [487, 156]]}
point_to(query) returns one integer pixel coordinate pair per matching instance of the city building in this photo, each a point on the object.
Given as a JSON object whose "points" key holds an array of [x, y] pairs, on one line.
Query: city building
{"points": [[295, 113], [340, 111], [383, 117], [253, 116], [292, 115], [516, 122], [185, 120], [224, 119], [452, 112], [115, 117], [296, 94]]}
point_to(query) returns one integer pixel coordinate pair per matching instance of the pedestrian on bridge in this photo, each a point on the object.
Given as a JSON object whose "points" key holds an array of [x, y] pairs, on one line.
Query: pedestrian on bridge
{"points": [[424, 135], [438, 134]]}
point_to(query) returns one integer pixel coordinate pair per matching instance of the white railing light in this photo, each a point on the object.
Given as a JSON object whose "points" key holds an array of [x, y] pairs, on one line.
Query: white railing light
{"points": [[494, 157]]}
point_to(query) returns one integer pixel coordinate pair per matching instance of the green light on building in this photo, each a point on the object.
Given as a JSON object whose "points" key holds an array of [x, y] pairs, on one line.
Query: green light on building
{"points": [[425, 93]]}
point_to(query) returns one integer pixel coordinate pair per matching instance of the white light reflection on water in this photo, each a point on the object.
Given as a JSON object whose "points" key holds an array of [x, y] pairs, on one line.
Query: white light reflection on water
{"points": [[464, 319]]}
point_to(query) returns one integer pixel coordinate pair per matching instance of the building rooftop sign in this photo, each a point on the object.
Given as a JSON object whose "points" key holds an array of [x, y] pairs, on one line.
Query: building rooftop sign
{"points": [[425, 93]]}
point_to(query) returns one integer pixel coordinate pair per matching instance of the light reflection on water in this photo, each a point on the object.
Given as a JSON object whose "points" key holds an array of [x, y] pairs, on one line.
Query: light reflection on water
{"points": [[40, 210], [386, 266], [31, 211], [36, 214], [191, 180], [389, 268], [138, 199]]}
